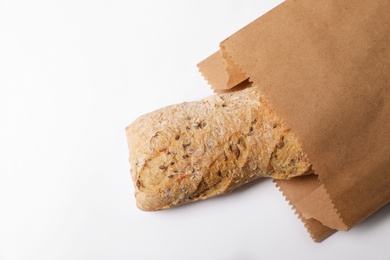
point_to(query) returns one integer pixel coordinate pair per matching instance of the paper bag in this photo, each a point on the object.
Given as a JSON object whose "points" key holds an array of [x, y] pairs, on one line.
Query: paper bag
{"points": [[325, 67]]}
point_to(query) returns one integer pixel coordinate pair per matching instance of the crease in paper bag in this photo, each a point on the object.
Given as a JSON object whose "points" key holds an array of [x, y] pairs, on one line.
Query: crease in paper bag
{"points": [[308, 205], [293, 194], [225, 73]]}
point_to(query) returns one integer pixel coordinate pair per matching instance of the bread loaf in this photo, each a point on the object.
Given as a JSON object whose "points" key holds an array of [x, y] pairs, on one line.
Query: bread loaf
{"points": [[197, 150]]}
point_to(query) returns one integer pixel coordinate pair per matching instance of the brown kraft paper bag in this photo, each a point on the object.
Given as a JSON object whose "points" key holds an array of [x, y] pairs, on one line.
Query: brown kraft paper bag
{"points": [[325, 67]]}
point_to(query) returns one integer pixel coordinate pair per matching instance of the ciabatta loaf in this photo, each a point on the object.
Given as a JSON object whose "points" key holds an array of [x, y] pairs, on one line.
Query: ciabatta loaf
{"points": [[197, 150]]}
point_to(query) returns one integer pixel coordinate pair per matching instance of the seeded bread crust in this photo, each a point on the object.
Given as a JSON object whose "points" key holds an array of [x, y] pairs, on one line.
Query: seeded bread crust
{"points": [[197, 150]]}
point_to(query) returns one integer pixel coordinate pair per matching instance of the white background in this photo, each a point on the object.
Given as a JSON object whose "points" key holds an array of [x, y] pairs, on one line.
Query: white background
{"points": [[73, 75]]}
